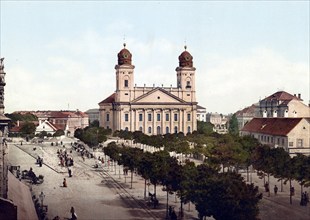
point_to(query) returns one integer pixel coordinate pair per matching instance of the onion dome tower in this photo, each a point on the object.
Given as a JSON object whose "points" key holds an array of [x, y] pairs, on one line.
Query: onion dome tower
{"points": [[124, 75], [186, 76]]}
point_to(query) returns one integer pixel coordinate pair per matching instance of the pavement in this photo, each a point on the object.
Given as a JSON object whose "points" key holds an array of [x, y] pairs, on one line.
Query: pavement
{"points": [[105, 193]]}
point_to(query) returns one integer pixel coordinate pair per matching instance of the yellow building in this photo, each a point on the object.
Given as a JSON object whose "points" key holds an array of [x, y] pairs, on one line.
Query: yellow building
{"points": [[152, 110]]}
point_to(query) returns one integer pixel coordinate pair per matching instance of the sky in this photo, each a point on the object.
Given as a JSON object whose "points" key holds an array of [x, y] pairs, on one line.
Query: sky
{"points": [[61, 55]]}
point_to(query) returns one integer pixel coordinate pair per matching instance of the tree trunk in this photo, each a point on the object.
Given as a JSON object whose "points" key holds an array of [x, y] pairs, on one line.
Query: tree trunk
{"points": [[268, 186], [181, 208], [290, 191], [155, 189], [167, 216], [247, 173], [281, 185], [144, 188], [301, 190], [131, 179]]}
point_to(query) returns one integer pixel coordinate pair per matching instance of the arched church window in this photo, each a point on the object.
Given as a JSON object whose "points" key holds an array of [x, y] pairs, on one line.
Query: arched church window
{"points": [[167, 130], [176, 129], [126, 83], [158, 130], [149, 130]]}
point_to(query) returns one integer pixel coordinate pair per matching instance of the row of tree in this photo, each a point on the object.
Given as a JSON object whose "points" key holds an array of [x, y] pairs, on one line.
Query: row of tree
{"points": [[221, 195]]}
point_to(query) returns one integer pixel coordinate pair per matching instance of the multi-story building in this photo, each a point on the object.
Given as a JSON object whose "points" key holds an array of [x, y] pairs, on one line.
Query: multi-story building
{"points": [[245, 115], [152, 110], [282, 120], [282, 104], [292, 134], [219, 122], [51, 121], [201, 113], [93, 114]]}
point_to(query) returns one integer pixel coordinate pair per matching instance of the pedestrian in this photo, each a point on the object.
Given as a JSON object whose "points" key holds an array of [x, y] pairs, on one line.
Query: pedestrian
{"points": [[69, 172], [275, 189], [73, 214], [292, 190], [64, 183]]}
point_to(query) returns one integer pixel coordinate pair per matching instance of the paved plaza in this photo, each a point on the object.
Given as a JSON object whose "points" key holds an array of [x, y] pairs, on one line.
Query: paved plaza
{"points": [[105, 193]]}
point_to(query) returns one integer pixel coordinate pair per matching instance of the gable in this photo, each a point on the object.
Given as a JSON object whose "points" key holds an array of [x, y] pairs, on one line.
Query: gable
{"points": [[158, 96]]}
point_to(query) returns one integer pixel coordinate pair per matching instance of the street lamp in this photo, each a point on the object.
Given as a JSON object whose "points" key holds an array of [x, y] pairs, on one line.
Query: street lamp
{"points": [[42, 196]]}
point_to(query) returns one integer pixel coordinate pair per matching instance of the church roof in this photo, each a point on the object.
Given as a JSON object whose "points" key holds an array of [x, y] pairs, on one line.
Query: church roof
{"points": [[271, 126], [185, 59], [110, 99], [124, 56]]}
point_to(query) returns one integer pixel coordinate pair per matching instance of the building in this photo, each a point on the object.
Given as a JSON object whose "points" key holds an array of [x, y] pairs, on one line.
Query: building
{"points": [[152, 110], [218, 121], [282, 104], [292, 134], [93, 114], [51, 121], [245, 115], [201, 113]]}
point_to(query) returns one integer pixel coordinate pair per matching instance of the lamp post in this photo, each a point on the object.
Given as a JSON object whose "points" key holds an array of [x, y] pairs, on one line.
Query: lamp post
{"points": [[42, 196]]}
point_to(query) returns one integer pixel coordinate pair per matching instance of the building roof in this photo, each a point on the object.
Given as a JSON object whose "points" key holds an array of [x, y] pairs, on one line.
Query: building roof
{"points": [[272, 126], [200, 107], [250, 110], [282, 96], [110, 99], [185, 59]]}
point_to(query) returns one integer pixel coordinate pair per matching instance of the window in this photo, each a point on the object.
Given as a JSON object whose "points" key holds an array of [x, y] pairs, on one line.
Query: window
{"points": [[188, 129], [167, 130], [150, 130], [188, 84], [126, 83], [175, 129], [140, 117], [158, 117], [140, 129], [126, 117], [283, 141], [175, 117], [188, 117], [158, 130], [108, 127], [271, 139], [291, 144], [149, 117], [167, 117], [126, 129], [299, 143], [108, 117]]}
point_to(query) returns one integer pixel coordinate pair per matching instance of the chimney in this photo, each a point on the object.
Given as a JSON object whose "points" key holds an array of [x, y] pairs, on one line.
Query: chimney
{"points": [[299, 95]]}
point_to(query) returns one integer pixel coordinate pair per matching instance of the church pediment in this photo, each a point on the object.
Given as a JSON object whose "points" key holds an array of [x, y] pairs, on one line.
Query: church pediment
{"points": [[158, 95]]}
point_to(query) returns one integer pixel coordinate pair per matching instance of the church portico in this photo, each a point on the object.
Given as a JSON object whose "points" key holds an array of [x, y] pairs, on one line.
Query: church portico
{"points": [[152, 110]]}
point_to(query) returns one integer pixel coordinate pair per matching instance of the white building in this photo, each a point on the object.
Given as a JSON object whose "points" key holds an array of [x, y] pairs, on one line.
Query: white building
{"points": [[152, 110]]}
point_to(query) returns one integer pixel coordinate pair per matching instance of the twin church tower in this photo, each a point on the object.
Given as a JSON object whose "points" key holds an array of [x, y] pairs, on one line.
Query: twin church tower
{"points": [[152, 110]]}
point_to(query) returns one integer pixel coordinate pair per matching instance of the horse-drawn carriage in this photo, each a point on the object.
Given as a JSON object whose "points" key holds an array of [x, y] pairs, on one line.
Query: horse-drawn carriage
{"points": [[32, 177]]}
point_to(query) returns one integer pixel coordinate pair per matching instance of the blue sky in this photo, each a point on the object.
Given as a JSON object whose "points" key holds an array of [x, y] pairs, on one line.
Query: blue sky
{"points": [[61, 54]]}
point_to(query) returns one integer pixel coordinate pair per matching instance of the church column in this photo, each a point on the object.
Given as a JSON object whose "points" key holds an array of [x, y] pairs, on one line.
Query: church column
{"points": [[171, 122], [145, 121], [154, 130], [120, 115], [162, 121], [131, 120], [180, 121]]}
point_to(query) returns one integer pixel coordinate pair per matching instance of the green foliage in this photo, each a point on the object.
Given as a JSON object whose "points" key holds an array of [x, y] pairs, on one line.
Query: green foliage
{"points": [[92, 136], [204, 127], [233, 125], [59, 133], [28, 129], [95, 123]]}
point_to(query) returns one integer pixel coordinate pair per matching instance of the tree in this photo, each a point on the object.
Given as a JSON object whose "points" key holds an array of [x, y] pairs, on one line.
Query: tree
{"points": [[28, 129], [204, 127], [233, 125], [59, 133]]}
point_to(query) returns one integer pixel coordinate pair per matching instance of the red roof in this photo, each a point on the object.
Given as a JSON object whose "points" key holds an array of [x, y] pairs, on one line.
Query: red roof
{"points": [[250, 110], [282, 96], [272, 126], [110, 99]]}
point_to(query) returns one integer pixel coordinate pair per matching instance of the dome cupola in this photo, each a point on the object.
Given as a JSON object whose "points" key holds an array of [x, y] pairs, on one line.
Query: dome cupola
{"points": [[185, 59], [124, 56]]}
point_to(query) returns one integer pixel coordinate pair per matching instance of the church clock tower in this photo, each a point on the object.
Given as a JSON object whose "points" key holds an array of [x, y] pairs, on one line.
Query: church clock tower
{"points": [[124, 76], [186, 77]]}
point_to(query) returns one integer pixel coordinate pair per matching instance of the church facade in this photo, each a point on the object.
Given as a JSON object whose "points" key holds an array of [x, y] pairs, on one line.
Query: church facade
{"points": [[152, 110]]}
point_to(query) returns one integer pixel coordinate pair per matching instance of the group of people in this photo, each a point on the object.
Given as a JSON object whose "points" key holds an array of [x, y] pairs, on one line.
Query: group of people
{"points": [[65, 158], [80, 148], [172, 214], [304, 199]]}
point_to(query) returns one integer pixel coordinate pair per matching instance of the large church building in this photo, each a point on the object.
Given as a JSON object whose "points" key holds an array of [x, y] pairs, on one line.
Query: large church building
{"points": [[152, 110]]}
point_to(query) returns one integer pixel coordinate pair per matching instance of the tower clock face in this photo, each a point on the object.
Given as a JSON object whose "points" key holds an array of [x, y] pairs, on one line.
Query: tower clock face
{"points": [[187, 58], [125, 55]]}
